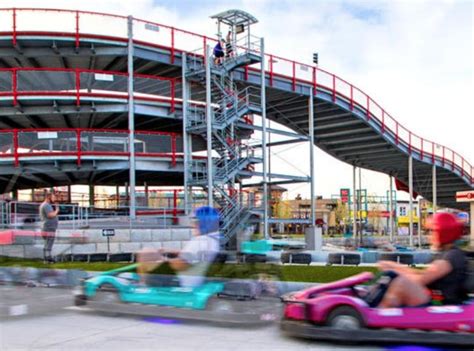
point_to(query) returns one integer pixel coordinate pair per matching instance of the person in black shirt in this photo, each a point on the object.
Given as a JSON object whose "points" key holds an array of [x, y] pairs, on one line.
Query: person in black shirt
{"points": [[443, 280]]}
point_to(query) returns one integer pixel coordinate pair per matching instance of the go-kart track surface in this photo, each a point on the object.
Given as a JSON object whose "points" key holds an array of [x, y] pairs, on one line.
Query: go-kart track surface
{"points": [[75, 49], [66, 328]]}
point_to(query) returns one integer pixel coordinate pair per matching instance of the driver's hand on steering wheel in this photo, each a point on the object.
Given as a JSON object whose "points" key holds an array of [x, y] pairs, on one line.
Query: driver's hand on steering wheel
{"points": [[386, 265]]}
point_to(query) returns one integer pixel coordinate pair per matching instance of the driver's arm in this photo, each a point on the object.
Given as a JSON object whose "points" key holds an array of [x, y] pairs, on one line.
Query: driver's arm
{"points": [[436, 270], [185, 257], [178, 264], [398, 268]]}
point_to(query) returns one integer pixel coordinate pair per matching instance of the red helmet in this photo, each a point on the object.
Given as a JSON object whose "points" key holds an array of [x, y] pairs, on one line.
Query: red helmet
{"points": [[446, 228]]}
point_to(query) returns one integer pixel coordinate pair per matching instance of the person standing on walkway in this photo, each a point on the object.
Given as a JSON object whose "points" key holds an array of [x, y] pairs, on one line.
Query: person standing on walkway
{"points": [[219, 52], [229, 52], [49, 217]]}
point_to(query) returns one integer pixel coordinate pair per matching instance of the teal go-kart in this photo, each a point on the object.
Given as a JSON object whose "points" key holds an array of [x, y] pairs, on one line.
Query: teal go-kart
{"points": [[259, 251], [119, 291]]}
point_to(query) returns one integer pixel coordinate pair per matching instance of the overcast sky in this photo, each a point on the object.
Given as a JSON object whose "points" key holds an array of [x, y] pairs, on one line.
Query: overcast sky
{"points": [[415, 58]]}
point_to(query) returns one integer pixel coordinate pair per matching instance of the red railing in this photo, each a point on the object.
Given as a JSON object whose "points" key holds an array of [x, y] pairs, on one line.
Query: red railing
{"points": [[81, 83], [19, 144], [83, 25]]}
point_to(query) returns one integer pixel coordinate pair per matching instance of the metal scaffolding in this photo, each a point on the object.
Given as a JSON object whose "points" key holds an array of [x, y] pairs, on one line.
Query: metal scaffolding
{"points": [[117, 122]]}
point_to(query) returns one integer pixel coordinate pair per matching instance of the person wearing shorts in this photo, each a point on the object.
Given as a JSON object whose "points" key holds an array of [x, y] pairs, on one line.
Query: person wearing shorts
{"points": [[49, 216]]}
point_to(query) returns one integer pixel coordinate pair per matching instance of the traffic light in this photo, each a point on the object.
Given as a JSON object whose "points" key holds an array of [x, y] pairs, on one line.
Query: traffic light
{"points": [[315, 58]]}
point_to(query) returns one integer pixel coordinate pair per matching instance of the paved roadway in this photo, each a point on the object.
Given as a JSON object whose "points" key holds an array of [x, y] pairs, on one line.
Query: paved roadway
{"points": [[50, 323]]}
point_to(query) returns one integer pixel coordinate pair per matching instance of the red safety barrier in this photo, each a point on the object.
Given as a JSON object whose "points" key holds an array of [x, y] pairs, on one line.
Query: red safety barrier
{"points": [[104, 84], [7, 237], [49, 142]]}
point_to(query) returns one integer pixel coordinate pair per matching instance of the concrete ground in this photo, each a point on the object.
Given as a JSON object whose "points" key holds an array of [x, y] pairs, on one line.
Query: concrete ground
{"points": [[58, 325], [72, 330]]}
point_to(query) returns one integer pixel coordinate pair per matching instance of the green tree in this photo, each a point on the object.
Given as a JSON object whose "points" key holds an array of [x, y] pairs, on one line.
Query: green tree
{"points": [[282, 209]]}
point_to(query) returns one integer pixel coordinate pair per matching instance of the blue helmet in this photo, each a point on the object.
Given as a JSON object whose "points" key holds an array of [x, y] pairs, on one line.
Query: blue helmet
{"points": [[208, 218]]}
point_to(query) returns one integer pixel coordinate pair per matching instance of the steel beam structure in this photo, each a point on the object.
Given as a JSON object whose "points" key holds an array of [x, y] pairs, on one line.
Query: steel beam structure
{"points": [[273, 131], [186, 150], [354, 204], [288, 94], [210, 187], [359, 207], [390, 208], [131, 117], [264, 139], [311, 157]]}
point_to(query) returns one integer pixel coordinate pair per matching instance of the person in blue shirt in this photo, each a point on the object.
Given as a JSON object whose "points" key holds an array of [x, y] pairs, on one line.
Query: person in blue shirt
{"points": [[219, 52]]}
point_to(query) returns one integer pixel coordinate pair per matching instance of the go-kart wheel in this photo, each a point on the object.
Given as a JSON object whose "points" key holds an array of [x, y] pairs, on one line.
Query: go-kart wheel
{"points": [[107, 294], [79, 300], [345, 317], [218, 305]]}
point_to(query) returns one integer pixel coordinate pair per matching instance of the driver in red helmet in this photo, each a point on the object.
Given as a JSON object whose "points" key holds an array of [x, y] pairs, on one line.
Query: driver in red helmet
{"points": [[443, 280]]}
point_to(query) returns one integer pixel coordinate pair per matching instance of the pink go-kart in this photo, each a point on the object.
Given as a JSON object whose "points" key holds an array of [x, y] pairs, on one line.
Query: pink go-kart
{"points": [[338, 312]]}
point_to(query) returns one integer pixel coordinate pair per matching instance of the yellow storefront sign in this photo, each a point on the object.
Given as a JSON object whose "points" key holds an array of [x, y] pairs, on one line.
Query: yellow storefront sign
{"points": [[406, 219], [360, 214]]}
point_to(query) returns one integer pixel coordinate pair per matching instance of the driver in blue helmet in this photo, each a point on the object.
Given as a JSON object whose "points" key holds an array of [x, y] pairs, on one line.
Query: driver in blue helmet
{"points": [[192, 262]]}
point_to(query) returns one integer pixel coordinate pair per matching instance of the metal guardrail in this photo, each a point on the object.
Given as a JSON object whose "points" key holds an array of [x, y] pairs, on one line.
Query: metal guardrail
{"points": [[18, 144], [25, 215], [82, 25], [78, 84]]}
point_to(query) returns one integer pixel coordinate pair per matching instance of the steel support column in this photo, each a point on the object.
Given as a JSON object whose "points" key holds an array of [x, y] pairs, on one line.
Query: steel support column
{"points": [[69, 196], [186, 155], [147, 195], [410, 197], [435, 200], [131, 119], [210, 200], [311, 156], [390, 208], [91, 195], [313, 236], [264, 139], [418, 213], [359, 206], [127, 194], [117, 195], [354, 204]]}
